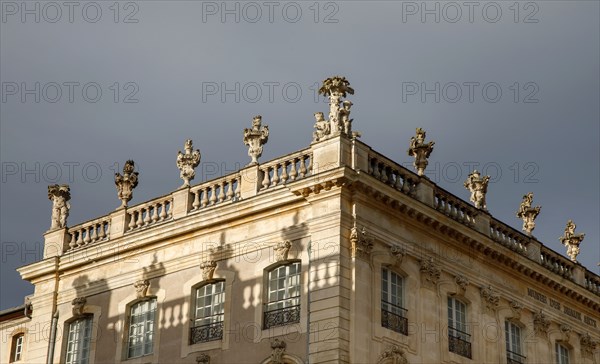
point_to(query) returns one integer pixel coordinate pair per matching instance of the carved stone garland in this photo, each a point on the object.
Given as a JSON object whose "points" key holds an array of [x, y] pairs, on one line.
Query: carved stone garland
{"points": [[361, 243], [430, 273], [392, 355], [490, 297], [540, 324], [277, 351]]}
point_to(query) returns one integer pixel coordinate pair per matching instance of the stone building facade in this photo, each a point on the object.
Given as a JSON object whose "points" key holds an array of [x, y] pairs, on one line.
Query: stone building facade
{"points": [[332, 254]]}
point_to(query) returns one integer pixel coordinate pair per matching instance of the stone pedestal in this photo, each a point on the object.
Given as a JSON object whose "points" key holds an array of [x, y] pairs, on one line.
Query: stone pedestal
{"points": [[250, 181], [182, 202], [118, 223], [56, 242]]}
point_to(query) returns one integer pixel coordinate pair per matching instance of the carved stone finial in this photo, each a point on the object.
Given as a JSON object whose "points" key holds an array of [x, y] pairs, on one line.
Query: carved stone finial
{"points": [[60, 196], [361, 243], [393, 353], [187, 161], [255, 138], [281, 250], [126, 183], [203, 359], [588, 345], [208, 269], [420, 150], [278, 349], [335, 88], [477, 185], [462, 282], [141, 288], [572, 240], [540, 323], [528, 213], [398, 252], [490, 297], [429, 270], [78, 305]]}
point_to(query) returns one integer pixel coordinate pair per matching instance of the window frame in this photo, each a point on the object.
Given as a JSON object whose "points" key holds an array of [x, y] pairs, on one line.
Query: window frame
{"points": [[17, 343], [513, 337], [88, 320], [393, 311], [562, 356], [459, 339], [129, 334], [286, 310], [214, 327]]}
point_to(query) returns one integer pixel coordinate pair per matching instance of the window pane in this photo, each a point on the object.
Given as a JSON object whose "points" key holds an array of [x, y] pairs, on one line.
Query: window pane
{"points": [[141, 328], [79, 338]]}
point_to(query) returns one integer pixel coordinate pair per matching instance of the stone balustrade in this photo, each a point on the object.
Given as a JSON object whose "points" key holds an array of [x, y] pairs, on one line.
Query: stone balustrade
{"points": [[149, 213], [454, 207], [89, 232], [592, 283], [286, 169], [508, 236], [217, 191], [556, 263], [391, 173]]}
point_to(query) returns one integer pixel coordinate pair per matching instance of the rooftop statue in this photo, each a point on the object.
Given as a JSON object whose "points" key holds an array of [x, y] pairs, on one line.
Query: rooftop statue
{"points": [[186, 162], [420, 150], [126, 183], [528, 213], [571, 240], [60, 196], [339, 117], [477, 185], [255, 138]]}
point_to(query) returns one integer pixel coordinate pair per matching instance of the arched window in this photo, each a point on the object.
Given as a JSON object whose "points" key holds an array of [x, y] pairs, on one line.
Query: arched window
{"points": [[78, 341], [209, 311], [393, 313], [514, 343], [562, 354], [282, 305], [459, 340], [142, 317], [16, 347]]}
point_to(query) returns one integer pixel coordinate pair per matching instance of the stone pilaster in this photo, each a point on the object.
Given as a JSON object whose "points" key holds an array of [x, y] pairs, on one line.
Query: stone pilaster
{"points": [[118, 223], [56, 242], [250, 181], [182, 202]]}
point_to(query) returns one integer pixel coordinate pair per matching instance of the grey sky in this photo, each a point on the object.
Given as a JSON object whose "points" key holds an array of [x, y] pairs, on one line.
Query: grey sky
{"points": [[172, 58]]}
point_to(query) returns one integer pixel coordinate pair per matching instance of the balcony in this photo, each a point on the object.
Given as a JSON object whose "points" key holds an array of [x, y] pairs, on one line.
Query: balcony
{"points": [[205, 333], [514, 358], [281, 316], [393, 317], [459, 342]]}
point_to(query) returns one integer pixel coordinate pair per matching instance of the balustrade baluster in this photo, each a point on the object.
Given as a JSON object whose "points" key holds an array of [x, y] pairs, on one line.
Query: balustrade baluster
{"points": [[163, 211], [155, 213], [293, 172], [222, 191], [230, 193], [284, 174], [196, 202], [275, 178], [265, 181], [302, 166]]}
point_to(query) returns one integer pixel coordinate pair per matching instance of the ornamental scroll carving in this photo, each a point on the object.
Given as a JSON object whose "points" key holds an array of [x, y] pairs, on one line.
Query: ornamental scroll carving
{"points": [[392, 355], [277, 351], [430, 272]]}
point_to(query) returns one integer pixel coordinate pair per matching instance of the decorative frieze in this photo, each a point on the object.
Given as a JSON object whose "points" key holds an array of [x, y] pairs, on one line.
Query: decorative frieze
{"points": [[528, 213], [281, 250], [462, 282], [420, 150], [392, 355], [141, 288], [187, 161], [255, 138], [361, 243], [126, 182], [60, 196], [490, 297], [430, 273], [540, 324], [78, 305], [588, 345], [571, 240], [477, 185], [208, 269], [277, 351], [203, 359]]}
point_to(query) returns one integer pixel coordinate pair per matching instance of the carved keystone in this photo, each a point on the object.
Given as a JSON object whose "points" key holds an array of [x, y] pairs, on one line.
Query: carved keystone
{"points": [[141, 288], [78, 305], [281, 250], [208, 269], [278, 349]]}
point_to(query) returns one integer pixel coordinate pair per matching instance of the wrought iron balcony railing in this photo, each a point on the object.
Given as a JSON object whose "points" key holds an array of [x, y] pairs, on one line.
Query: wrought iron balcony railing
{"points": [[281, 316], [514, 358], [394, 318], [459, 342], [208, 332]]}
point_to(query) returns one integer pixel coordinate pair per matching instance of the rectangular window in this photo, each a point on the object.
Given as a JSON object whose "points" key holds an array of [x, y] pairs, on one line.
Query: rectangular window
{"points": [[393, 313], [562, 354], [459, 341], [283, 296], [16, 350], [78, 341], [209, 313], [514, 351], [141, 328]]}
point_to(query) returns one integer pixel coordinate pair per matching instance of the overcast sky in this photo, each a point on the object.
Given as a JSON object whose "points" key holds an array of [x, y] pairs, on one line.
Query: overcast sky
{"points": [[509, 87]]}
